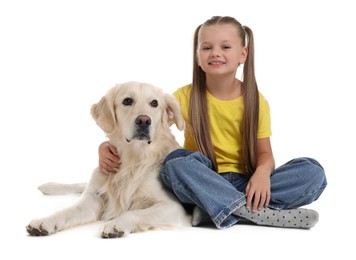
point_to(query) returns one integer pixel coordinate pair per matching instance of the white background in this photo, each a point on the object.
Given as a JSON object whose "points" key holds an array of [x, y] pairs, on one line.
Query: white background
{"points": [[57, 58]]}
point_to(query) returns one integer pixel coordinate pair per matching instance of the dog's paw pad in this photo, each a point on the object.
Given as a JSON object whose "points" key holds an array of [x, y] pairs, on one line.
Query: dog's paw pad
{"points": [[33, 231], [115, 233]]}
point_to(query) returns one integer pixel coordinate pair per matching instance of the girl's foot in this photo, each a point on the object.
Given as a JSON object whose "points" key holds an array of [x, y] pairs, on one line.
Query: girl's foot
{"points": [[290, 218]]}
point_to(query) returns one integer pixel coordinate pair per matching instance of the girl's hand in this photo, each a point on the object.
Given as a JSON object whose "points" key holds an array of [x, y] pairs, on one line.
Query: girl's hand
{"points": [[109, 160], [258, 191]]}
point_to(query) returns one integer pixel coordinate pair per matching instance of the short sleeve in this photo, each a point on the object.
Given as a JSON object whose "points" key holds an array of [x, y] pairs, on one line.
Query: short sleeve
{"points": [[264, 121]]}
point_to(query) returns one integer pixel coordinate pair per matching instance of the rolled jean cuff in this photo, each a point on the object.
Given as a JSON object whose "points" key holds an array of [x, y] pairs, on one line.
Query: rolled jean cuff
{"points": [[225, 218]]}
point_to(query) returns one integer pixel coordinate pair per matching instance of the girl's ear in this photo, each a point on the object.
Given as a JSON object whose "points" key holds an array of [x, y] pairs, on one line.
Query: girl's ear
{"points": [[103, 112], [244, 54], [173, 112]]}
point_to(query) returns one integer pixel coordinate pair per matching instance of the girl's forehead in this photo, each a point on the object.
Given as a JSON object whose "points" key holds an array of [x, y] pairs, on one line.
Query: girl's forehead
{"points": [[218, 31]]}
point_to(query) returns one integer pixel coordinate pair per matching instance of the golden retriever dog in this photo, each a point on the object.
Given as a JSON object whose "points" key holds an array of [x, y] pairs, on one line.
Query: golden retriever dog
{"points": [[136, 118]]}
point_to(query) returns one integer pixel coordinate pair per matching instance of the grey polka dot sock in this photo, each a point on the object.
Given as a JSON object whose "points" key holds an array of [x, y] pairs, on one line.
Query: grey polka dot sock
{"points": [[290, 218]]}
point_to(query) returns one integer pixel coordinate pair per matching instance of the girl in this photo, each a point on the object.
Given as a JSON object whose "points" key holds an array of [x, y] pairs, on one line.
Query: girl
{"points": [[226, 169]]}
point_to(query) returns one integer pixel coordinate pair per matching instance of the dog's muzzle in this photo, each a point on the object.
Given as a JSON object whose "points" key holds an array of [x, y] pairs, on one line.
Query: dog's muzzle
{"points": [[142, 129]]}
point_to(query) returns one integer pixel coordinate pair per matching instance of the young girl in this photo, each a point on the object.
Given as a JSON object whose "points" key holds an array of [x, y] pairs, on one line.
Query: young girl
{"points": [[226, 169]]}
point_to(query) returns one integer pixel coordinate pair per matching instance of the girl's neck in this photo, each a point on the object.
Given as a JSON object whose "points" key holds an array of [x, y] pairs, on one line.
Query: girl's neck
{"points": [[224, 89]]}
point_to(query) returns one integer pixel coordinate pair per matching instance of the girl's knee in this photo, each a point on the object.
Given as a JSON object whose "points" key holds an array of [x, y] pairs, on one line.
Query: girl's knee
{"points": [[182, 157], [177, 154], [182, 164], [314, 162], [310, 169], [316, 171]]}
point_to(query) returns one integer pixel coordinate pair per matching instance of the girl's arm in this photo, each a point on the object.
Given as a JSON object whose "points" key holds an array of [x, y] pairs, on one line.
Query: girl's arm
{"points": [[258, 190]]}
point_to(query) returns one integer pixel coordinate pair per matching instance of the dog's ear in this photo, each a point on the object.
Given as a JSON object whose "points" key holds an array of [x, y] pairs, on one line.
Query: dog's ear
{"points": [[103, 113], [173, 112]]}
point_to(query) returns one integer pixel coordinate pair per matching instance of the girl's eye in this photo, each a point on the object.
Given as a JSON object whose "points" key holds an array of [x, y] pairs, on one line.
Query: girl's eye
{"points": [[154, 103], [127, 101], [226, 47]]}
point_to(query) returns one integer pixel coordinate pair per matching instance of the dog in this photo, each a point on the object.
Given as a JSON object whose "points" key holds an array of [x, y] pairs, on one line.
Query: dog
{"points": [[136, 118]]}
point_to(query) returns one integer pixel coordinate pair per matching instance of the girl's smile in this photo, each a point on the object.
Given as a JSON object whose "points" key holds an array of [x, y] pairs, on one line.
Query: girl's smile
{"points": [[216, 63]]}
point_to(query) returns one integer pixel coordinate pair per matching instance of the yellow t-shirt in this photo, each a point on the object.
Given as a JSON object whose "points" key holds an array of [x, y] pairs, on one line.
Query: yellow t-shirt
{"points": [[225, 117]]}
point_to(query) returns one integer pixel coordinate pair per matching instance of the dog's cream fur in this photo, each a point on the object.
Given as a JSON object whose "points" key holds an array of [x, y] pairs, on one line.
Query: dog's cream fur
{"points": [[136, 118]]}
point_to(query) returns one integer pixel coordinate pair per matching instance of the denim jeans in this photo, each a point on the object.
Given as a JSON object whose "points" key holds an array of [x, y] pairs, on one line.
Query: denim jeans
{"points": [[190, 177]]}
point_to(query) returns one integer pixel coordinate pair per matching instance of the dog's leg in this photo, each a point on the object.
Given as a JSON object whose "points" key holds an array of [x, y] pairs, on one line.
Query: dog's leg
{"points": [[159, 216], [87, 209], [54, 188]]}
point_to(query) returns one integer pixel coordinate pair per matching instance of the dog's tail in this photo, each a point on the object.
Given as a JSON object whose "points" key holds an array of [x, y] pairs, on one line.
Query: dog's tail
{"points": [[54, 188]]}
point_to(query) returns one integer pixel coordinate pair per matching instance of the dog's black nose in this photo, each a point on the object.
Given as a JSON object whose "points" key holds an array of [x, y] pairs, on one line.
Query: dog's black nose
{"points": [[143, 120]]}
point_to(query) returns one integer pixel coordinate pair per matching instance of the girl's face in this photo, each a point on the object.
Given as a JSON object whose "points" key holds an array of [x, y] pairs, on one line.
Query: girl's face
{"points": [[220, 50]]}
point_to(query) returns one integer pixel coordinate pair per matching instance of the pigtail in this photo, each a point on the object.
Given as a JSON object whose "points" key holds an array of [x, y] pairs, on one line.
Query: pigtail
{"points": [[198, 116], [251, 104]]}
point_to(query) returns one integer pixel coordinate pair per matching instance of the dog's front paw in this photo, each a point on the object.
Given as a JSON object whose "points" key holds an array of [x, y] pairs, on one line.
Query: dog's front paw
{"points": [[40, 228], [112, 230]]}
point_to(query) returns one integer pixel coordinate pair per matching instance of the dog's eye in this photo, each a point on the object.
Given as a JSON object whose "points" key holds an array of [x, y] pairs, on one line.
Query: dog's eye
{"points": [[154, 103], [127, 102]]}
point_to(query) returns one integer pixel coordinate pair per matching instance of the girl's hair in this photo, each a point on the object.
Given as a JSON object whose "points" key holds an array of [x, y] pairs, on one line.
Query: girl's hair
{"points": [[199, 120]]}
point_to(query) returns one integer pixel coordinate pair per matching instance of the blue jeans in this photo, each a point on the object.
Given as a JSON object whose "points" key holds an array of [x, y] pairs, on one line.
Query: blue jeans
{"points": [[190, 177]]}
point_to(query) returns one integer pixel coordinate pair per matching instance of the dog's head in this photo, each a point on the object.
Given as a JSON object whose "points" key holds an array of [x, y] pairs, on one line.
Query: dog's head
{"points": [[136, 111]]}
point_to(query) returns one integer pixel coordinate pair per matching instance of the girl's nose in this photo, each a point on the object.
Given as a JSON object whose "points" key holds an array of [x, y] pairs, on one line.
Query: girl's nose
{"points": [[215, 53]]}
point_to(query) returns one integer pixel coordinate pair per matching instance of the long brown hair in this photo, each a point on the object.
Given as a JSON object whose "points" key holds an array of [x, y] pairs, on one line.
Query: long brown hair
{"points": [[199, 120]]}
